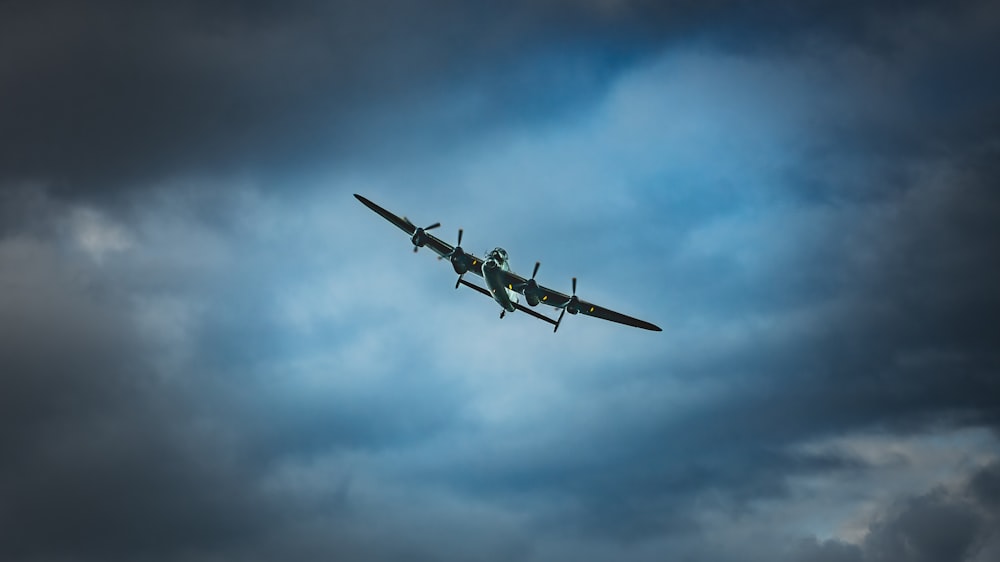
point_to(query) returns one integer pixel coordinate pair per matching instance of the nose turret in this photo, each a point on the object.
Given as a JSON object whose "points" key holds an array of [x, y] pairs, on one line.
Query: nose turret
{"points": [[499, 254]]}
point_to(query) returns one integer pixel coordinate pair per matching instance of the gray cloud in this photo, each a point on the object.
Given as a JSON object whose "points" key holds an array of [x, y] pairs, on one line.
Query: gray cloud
{"points": [[122, 94], [230, 361], [942, 524], [91, 440]]}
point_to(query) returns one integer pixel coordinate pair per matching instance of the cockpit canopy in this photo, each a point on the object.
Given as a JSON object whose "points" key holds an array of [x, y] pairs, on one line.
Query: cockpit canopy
{"points": [[499, 254]]}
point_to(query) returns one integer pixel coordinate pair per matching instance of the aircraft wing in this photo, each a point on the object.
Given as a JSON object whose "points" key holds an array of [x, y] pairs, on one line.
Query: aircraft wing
{"points": [[403, 224], [440, 247], [561, 300], [435, 244], [605, 314]]}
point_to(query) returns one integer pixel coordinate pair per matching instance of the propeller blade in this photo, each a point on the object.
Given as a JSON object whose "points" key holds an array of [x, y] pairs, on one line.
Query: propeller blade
{"points": [[415, 249], [433, 226], [559, 320], [407, 221], [574, 285], [535, 272], [459, 237], [459, 282]]}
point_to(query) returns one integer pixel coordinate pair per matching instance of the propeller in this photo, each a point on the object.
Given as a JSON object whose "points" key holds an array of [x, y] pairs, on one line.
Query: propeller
{"points": [[530, 288], [573, 302], [418, 237], [457, 254]]}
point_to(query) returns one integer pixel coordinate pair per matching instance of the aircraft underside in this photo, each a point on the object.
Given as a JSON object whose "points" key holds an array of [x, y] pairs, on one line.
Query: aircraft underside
{"points": [[503, 285]]}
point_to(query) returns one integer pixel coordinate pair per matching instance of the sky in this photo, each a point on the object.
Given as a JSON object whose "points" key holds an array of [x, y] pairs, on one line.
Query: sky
{"points": [[209, 350]]}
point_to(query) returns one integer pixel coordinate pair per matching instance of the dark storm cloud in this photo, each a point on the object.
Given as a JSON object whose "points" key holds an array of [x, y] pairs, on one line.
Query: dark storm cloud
{"points": [[119, 444], [90, 440], [114, 94], [942, 524], [115, 450], [118, 92]]}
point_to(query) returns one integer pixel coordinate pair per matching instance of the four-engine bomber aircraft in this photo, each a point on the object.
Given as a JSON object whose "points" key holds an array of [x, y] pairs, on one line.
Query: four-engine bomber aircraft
{"points": [[503, 285]]}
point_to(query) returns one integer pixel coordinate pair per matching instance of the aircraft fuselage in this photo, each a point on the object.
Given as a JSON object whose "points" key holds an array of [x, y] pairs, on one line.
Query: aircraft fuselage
{"points": [[495, 262]]}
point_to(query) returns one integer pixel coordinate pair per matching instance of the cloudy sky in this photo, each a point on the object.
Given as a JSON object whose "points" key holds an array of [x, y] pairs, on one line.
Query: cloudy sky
{"points": [[209, 350]]}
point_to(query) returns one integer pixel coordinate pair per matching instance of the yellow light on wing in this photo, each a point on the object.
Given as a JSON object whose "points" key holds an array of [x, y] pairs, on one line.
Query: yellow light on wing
{"points": [[591, 309], [545, 297], [509, 286]]}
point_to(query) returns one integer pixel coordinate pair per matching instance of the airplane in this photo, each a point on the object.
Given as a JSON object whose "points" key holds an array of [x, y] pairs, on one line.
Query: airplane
{"points": [[503, 285]]}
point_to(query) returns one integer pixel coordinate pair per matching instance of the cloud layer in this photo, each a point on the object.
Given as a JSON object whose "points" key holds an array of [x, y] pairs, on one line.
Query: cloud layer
{"points": [[209, 350]]}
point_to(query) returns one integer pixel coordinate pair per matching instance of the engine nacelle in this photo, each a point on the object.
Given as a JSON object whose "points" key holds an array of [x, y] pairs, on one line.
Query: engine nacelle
{"points": [[531, 293], [574, 305], [419, 238], [459, 261]]}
